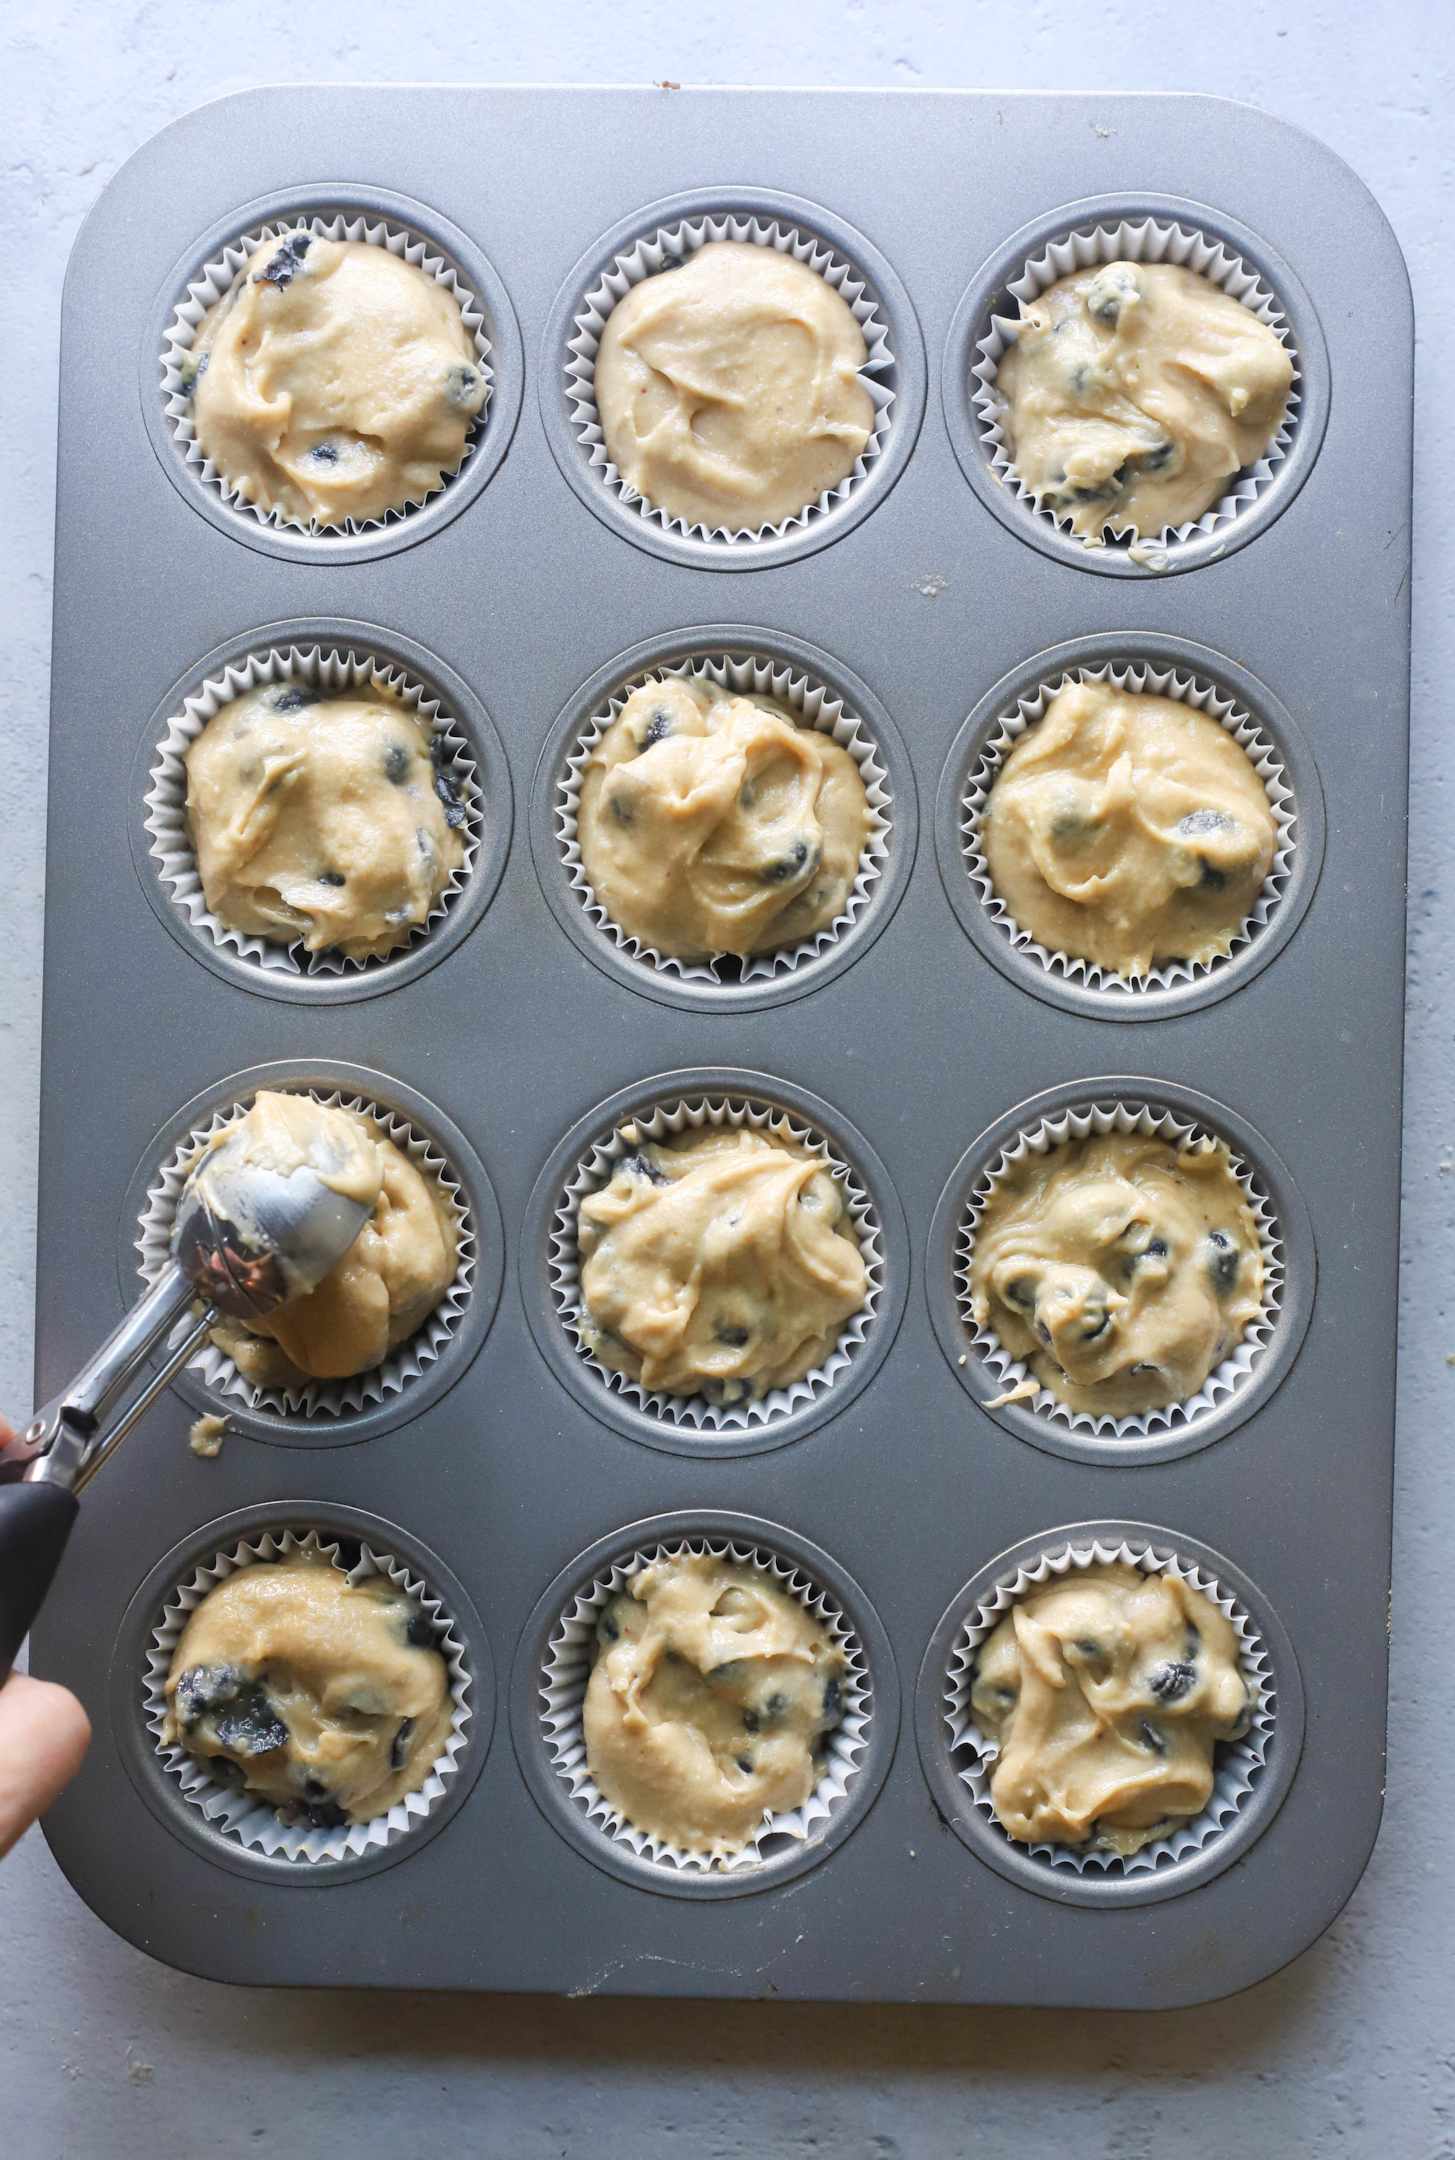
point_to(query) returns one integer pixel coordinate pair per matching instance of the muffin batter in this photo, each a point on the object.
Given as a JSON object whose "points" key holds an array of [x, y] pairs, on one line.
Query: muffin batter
{"points": [[1122, 1268], [384, 1288], [326, 1698], [1135, 392], [728, 389], [714, 824], [1107, 1690], [1128, 830], [709, 1702], [323, 821], [333, 381], [722, 1264]]}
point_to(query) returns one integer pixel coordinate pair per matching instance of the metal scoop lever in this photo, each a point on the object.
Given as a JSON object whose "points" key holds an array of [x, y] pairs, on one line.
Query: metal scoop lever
{"points": [[245, 1241]]}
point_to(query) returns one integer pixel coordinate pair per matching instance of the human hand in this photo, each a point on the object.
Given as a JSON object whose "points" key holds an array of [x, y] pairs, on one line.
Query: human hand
{"points": [[44, 1733]]}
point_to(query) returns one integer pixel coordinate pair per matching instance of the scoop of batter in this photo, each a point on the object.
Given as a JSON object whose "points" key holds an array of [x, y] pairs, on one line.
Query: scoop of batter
{"points": [[328, 1699], [722, 1264], [1122, 1268], [1107, 1690], [333, 381], [728, 389], [713, 824], [384, 1288], [1128, 830], [709, 1703], [1134, 394], [323, 820]]}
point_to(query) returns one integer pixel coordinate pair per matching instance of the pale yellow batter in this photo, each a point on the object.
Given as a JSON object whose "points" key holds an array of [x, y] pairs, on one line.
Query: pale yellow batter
{"points": [[1127, 830], [327, 1699], [709, 1702], [333, 381], [322, 820], [384, 1288], [1122, 1269], [1107, 1690], [722, 1264], [1135, 392], [714, 824], [729, 391]]}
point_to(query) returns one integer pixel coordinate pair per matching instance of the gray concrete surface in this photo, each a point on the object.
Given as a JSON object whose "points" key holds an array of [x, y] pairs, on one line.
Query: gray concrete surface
{"points": [[105, 2055]]}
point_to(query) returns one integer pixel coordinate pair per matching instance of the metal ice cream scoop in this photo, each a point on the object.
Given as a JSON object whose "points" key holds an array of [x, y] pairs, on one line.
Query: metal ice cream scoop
{"points": [[245, 1240]]}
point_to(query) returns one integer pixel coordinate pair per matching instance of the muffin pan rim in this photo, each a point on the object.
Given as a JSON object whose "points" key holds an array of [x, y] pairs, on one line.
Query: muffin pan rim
{"points": [[1275, 1358], [465, 1340], [1106, 1891], [550, 1791], [502, 414], [464, 912], [991, 936], [987, 286], [607, 1404], [699, 642], [137, 1746], [906, 344]]}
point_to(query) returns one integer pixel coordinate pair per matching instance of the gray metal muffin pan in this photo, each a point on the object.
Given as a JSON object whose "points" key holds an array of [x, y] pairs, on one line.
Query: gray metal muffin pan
{"points": [[514, 1469]]}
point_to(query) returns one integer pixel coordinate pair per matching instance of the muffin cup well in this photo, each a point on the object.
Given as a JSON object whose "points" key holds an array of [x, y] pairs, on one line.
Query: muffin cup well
{"points": [[1001, 1385], [335, 655], [1213, 704], [418, 1372], [584, 1162], [670, 1121], [1152, 229], [553, 1666], [666, 234], [244, 1816], [817, 709], [1154, 1122], [381, 218], [328, 1398], [1169, 667], [563, 1696], [1251, 1774], [334, 673], [830, 700]]}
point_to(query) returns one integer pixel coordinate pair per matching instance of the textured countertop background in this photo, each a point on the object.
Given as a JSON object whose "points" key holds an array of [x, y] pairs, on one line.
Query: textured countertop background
{"points": [[105, 2055]]}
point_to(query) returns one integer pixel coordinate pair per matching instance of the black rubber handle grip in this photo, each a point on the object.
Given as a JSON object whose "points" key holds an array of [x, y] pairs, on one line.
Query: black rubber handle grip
{"points": [[35, 1521]]}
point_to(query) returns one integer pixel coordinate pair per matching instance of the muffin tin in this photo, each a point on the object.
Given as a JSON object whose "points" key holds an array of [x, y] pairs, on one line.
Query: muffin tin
{"points": [[516, 1037]]}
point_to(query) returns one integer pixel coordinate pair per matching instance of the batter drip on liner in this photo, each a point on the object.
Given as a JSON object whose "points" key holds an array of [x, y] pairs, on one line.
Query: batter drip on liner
{"points": [[728, 388], [710, 823], [1107, 1691], [722, 1264], [387, 1283], [1123, 1269], [1134, 392], [709, 1703], [1127, 830], [333, 382], [323, 821], [327, 1698]]}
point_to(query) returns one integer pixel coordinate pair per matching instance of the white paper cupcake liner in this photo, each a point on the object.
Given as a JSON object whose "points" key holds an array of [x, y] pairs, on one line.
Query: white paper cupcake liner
{"points": [[252, 1821], [1141, 678], [215, 278], [663, 1122], [563, 1694], [1150, 241], [818, 709], [1236, 1764], [320, 1398], [666, 247], [334, 672], [1012, 1373]]}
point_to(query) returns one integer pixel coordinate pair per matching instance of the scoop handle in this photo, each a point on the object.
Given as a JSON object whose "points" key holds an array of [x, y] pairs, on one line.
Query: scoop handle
{"points": [[35, 1521]]}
